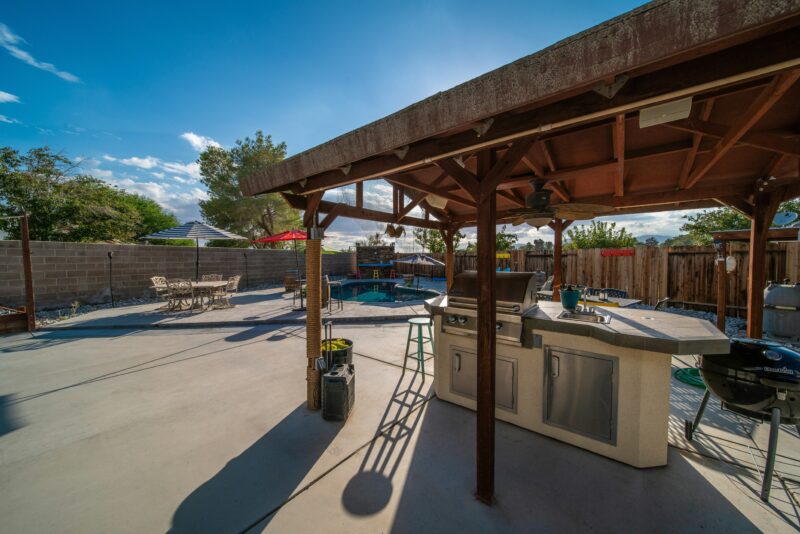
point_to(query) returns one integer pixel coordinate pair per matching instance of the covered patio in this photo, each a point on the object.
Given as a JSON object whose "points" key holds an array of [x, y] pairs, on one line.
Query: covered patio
{"points": [[675, 105]]}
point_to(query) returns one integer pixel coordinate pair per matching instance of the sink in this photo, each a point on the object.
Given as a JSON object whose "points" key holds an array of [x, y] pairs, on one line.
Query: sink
{"points": [[585, 316]]}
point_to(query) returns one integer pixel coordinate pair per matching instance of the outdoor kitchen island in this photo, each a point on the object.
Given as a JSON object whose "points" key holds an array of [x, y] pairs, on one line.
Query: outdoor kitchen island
{"points": [[601, 387]]}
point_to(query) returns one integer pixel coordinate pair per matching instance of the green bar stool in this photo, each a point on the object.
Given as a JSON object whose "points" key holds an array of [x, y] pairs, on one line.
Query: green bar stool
{"points": [[421, 339]]}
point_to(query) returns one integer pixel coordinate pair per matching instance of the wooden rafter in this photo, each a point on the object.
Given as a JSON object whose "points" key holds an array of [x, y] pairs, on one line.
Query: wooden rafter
{"points": [[618, 139], [697, 138], [299, 202], [558, 188], [769, 141], [360, 194], [331, 216], [511, 197], [740, 204], [757, 109], [419, 197], [413, 183], [311, 208], [506, 164], [467, 181]]}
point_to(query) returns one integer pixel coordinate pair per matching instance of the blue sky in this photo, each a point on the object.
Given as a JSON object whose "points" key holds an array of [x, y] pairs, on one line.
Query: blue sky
{"points": [[136, 89]]}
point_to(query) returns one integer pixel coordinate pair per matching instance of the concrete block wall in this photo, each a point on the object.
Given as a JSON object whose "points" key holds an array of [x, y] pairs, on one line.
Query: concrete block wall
{"points": [[67, 272]]}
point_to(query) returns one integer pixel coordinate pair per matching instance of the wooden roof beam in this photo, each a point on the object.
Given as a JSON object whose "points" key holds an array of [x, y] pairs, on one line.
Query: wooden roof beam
{"points": [[415, 184], [740, 204], [757, 109], [311, 208], [770, 141], [467, 181], [618, 139], [558, 188], [299, 202], [697, 138]]}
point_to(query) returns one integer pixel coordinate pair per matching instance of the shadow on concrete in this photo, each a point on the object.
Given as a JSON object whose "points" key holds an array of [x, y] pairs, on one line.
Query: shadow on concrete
{"points": [[43, 340], [9, 421], [252, 486], [543, 485], [370, 490], [160, 361]]}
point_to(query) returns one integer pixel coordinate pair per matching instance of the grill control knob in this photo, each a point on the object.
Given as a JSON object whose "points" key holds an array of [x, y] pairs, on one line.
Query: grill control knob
{"points": [[451, 319], [498, 326], [462, 320]]}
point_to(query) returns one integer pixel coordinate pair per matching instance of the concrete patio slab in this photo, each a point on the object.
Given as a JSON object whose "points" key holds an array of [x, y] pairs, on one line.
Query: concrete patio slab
{"points": [[262, 307], [205, 430]]}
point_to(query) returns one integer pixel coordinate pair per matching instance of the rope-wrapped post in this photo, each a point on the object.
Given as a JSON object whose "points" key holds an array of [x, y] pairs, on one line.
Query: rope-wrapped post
{"points": [[313, 319]]}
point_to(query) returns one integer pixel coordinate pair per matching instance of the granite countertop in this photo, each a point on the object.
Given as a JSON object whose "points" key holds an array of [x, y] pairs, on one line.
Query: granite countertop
{"points": [[650, 330]]}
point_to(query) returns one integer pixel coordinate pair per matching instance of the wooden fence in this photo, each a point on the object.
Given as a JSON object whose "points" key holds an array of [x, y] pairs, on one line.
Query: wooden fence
{"points": [[685, 274]]}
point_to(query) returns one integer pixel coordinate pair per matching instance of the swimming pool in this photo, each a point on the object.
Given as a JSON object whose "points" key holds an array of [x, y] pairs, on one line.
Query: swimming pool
{"points": [[365, 291]]}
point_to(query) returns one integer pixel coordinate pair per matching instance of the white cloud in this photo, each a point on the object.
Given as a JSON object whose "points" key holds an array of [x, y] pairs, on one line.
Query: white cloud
{"points": [[190, 169], [199, 142], [8, 120], [109, 158], [8, 97], [147, 162], [9, 40], [159, 175]]}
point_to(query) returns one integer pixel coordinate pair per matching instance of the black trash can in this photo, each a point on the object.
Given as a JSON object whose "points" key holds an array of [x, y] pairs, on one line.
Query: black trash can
{"points": [[338, 392]]}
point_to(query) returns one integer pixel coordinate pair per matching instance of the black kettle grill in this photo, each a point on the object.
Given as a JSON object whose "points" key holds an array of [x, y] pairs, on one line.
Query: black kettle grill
{"points": [[758, 379]]}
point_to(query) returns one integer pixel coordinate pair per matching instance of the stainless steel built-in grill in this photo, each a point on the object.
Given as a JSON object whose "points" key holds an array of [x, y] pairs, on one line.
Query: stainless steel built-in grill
{"points": [[515, 294]]}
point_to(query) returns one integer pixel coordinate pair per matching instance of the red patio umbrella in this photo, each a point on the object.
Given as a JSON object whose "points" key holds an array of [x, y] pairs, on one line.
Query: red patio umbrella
{"points": [[289, 235]]}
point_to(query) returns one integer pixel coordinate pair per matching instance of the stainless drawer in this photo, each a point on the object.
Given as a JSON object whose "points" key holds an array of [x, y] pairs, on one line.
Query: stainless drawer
{"points": [[580, 392], [464, 377]]}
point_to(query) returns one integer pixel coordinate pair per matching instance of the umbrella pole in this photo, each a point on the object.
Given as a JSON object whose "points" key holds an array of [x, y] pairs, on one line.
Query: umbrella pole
{"points": [[297, 264], [197, 259]]}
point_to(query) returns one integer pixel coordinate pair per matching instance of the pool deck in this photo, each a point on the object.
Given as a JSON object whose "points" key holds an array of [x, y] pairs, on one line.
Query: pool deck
{"points": [[206, 430], [251, 308]]}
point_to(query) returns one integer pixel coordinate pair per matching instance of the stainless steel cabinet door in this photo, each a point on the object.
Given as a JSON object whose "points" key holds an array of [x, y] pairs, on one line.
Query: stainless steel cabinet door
{"points": [[581, 392], [464, 378]]}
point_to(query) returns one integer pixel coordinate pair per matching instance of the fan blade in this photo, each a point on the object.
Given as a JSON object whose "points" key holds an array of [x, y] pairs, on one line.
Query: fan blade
{"points": [[519, 220]]}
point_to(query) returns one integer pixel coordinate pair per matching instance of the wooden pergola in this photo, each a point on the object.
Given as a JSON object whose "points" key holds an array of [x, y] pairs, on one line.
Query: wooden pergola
{"points": [[592, 116]]}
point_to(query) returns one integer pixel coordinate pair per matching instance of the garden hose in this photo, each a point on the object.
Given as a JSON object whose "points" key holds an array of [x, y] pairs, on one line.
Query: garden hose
{"points": [[690, 376]]}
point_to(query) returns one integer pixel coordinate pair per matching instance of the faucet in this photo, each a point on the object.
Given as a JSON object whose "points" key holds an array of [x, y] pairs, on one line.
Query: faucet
{"points": [[586, 308]]}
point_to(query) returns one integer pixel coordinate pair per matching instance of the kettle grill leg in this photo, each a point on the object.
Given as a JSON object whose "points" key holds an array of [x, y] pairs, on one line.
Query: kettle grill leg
{"points": [[772, 452], [688, 426]]}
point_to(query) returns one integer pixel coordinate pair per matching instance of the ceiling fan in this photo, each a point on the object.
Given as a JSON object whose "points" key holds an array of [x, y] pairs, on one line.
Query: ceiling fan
{"points": [[538, 211]]}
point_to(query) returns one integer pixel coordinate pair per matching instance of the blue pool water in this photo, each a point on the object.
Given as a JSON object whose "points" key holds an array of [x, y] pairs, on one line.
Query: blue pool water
{"points": [[366, 291]]}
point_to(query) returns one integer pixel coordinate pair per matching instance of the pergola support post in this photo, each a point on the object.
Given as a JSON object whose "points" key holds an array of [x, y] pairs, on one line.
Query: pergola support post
{"points": [[313, 258], [449, 257], [30, 304], [766, 204], [722, 286], [558, 231], [486, 334]]}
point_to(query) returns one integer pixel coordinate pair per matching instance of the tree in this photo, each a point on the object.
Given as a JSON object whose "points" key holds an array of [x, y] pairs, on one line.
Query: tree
{"points": [[32, 183], [700, 226], [433, 240], [651, 242], [373, 240], [505, 240], [599, 235], [502, 241], [66, 207], [222, 169], [682, 240]]}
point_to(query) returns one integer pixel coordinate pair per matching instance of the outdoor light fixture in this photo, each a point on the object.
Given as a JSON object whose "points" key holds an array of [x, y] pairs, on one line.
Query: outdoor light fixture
{"points": [[730, 264], [436, 201], [663, 113]]}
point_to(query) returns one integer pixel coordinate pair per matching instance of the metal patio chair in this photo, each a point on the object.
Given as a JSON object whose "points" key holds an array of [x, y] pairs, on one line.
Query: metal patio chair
{"points": [[160, 287], [180, 292], [211, 278], [223, 293]]}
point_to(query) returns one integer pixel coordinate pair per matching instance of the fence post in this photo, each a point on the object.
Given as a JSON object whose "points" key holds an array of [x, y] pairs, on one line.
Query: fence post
{"points": [[30, 304]]}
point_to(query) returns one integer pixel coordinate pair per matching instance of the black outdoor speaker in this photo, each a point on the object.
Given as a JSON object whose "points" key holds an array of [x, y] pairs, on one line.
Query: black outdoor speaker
{"points": [[338, 392]]}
